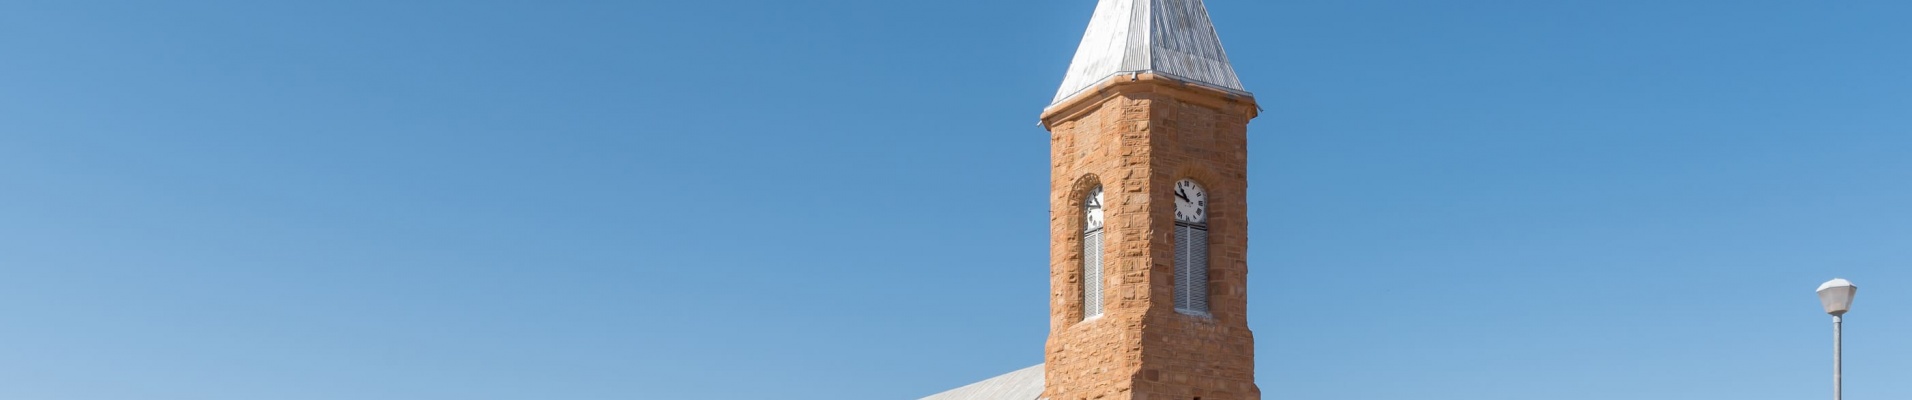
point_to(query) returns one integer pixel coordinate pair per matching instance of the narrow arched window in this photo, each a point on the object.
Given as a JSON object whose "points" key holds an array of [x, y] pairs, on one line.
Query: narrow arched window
{"points": [[1191, 248], [1092, 254]]}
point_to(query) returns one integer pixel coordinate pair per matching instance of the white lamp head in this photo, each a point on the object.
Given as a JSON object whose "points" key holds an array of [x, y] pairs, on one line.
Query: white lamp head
{"points": [[1836, 295]]}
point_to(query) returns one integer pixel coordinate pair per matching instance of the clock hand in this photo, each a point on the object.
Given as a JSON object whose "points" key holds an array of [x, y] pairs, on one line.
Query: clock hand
{"points": [[1184, 196]]}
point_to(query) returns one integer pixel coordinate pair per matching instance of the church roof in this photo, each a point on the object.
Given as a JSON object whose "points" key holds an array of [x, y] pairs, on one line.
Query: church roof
{"points": [[1024, 384], [1173, 38]]}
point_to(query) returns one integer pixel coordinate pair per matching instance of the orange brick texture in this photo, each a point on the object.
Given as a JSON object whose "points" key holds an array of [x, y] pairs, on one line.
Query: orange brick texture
{"points": [[1136, 136]]}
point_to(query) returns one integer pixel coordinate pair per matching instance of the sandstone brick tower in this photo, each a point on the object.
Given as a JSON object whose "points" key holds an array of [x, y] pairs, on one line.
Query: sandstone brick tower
{"points": [[1148, 212]]}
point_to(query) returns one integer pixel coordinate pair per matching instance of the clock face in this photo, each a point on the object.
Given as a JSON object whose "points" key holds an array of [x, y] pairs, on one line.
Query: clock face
{"points": [[1093, 206], [1191, 202]]}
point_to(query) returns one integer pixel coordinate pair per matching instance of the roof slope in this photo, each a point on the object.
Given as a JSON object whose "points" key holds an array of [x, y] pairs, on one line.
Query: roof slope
{"points": [[1167, 37], [1024, 384]]}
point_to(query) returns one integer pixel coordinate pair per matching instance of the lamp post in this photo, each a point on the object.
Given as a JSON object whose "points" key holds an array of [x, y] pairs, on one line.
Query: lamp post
{"points": [[1836, 295]]}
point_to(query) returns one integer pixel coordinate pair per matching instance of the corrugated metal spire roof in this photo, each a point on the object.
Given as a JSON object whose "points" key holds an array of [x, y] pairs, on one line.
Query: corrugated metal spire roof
{"points": [[1167, 37]]}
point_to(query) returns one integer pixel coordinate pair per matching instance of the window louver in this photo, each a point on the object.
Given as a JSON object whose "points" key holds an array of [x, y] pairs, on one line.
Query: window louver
{"points": [[1092, 274], [1191, 269], [1198, 270]]}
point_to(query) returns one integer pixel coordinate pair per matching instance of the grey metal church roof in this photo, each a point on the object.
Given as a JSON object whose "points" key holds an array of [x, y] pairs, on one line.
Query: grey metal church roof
{"points": [[1167, 37], [1024, 384]]}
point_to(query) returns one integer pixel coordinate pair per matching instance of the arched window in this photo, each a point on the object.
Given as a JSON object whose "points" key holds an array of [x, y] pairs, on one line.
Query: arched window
{"points": [[1191, 248], [1092, 254]]}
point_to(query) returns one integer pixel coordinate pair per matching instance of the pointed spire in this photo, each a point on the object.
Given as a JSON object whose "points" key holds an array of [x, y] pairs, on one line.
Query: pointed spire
{"points": [[1173, 38]]}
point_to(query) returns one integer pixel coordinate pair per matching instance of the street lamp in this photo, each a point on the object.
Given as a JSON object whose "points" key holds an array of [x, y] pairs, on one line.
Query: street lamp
{"points": [[1836, 295]]}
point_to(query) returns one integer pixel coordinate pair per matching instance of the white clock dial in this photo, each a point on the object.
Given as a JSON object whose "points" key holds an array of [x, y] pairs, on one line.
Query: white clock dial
{"points": [[1191, 202], [1093, 206]]}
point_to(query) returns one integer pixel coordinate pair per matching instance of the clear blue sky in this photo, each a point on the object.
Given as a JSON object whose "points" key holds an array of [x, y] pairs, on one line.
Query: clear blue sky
{"points": [[1570, 200]]}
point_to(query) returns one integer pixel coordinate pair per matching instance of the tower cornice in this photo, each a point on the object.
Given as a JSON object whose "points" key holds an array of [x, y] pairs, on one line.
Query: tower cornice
{"points": [[1197, 93]]}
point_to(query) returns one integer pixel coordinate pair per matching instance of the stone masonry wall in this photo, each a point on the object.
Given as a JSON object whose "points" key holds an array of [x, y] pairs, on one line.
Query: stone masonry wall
{"points": [[1137, 142]]}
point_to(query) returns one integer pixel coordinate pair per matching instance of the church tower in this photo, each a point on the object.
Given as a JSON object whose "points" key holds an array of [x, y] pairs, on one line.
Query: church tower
{"points": [[1148, 212]]}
